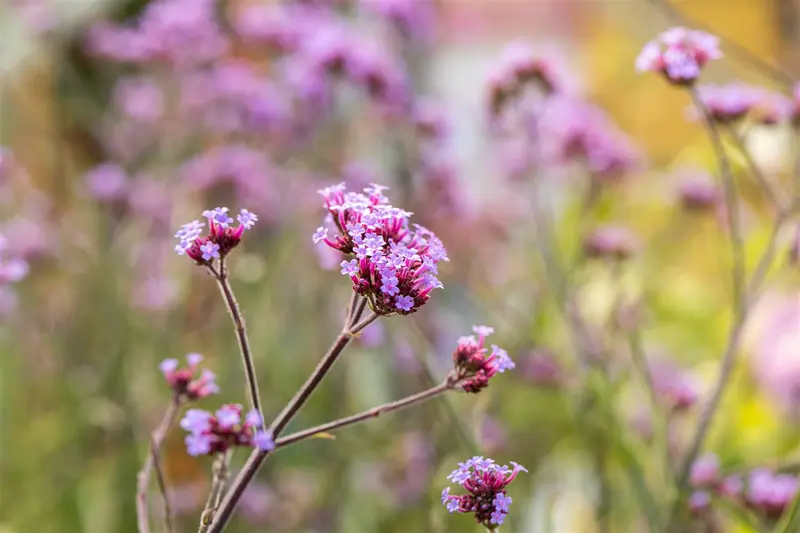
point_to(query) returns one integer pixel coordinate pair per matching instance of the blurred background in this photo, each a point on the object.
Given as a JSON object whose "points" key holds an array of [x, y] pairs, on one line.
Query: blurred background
{"points": [[121, 120]]}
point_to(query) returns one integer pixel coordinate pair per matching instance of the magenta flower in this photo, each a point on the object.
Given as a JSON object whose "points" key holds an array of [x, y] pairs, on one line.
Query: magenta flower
{"points": [[485, 482], [517, 68], [183, 381], [221, 239], [474, 365], [107, 182], [698, 192], [609, 241], [395, 267], [727, 104], [215, 433], [770, 493], [699, 502], [705, 471], [679, 54]]}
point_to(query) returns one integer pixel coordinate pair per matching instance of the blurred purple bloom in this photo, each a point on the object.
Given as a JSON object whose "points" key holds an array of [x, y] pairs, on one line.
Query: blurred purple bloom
{"points": [[705, 471], [107, 182], [140, 98], [679, 54]]}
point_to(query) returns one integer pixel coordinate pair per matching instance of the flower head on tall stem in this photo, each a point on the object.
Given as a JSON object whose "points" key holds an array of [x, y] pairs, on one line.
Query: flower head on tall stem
{"points": [[215, 433], [392, 265], [222, 236], [485, 482], [474, 365], [518, 68], [679, 54], [183, 381]]}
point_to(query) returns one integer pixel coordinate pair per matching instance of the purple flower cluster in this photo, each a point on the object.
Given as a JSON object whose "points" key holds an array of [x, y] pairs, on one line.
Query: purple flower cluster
{"points": [[182, 380], [12, 268], [215, 433], [517, 69], [610, 241], [486, 482], [679, 54], [770, 493], [728, 104], [474, 365], [574, 130], [394, 266], [221, 239]]}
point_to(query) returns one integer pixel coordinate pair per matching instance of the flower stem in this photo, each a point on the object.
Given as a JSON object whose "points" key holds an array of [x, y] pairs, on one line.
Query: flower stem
{"points": [[375, 412], [152, 463], [251, 467], [221, 473], [241, 334], [763, 182]]}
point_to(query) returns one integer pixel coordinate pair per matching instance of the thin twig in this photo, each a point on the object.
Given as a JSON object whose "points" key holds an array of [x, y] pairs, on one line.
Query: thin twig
{"points": [[241, 335], [375, 412], [218, 481], [162, 487], [742, 305], [257, 457], [769, 190], [154, 449]]}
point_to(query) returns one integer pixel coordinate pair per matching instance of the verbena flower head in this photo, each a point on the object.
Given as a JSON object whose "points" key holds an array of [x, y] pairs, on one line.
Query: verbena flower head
{"points": [[679, 54], [770, 493], [610, 241], [215, 433], [727, 104], [485, 483], [474, 365], [185, 381], [698, 193], [699, 502], [517, 68], [392, 265], [222, 236], [705, 471]]}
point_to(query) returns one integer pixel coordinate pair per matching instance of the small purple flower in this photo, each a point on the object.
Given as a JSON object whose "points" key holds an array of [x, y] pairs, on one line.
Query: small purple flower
{"points": [[473, 367], [253, 419], [168, 366], [182, 380], [705, 471], [196, 421], [404, 303], [485, 483], [218, 215], [699, 501], [350, 268], [263, 441], [320, 235], [389, 285], [247, 219], [210, 250], [228, 416], [194, 359], [502, 361], [679, 54], [198, 444]]}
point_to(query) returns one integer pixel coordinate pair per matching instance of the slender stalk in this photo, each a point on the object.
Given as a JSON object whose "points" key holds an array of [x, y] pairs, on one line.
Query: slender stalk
{"points": [[742, 304], [375, 412], [221, 473], [251, 380], [257, 457], [769, 190], [151, 463]]}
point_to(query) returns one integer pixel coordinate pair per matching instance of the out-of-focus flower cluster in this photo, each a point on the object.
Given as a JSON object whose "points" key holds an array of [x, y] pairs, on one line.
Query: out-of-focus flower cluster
{"points": [[485, 482], [762, 490], [215, 433], [394, 266], [474, 365], [679, 54], [184, 381]]}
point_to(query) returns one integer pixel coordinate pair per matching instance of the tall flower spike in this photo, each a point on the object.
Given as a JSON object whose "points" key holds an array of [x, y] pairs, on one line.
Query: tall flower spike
{"points": [[474, 365], [216, 433], [222, 236], [485, 483], [394, 265], [185, 382], [679, 55]]}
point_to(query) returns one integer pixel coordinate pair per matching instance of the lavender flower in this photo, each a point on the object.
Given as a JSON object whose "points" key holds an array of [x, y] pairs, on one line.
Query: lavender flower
{"points": [[183, 381], [705, 471], [679, 55], [518, 68], [771, 493], [616, 242], [727, 104], [107, 182], [215, 433], [473, 365], [221, 239], [485, 482], [394, 266]]}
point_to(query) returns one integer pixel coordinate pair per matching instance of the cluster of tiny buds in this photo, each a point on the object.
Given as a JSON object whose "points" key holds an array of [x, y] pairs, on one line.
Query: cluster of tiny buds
{"points": [[679, 55], [517, 69], [183, 381], [222, 236], [395, 267], [215, 433], [474, 365], [762, 491], [486, 482]]}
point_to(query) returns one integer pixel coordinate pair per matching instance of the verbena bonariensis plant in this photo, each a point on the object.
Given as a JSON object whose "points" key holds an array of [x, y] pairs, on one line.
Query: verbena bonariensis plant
{"points": [[393, 271], [392, 264]]}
